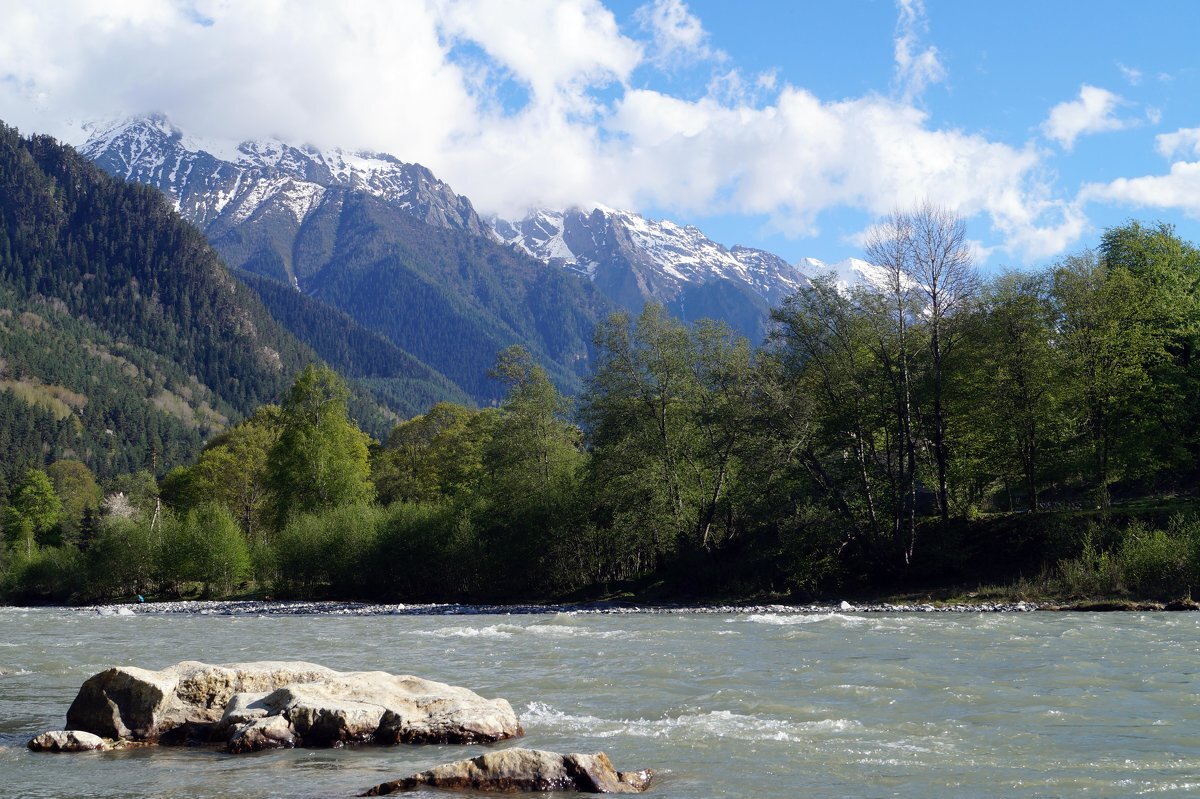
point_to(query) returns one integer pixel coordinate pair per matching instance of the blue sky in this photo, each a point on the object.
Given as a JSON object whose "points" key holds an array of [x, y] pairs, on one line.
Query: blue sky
{"points": [[784, 125]]}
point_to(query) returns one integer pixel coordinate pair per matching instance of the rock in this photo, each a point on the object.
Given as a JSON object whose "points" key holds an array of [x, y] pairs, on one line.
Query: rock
{"points": [[253, 706], [512, 770], [68, 741], [270, 732]]}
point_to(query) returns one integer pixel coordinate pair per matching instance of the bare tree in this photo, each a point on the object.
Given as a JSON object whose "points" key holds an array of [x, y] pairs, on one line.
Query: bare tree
{"points": [[942, 269], [889, 246]]}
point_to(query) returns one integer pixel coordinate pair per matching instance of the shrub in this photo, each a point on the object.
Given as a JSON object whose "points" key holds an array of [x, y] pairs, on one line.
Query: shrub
{"points": [[1160, 563]]}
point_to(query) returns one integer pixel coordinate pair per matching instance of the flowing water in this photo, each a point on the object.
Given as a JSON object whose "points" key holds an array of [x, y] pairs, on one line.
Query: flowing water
{"points": [[759, 705]]}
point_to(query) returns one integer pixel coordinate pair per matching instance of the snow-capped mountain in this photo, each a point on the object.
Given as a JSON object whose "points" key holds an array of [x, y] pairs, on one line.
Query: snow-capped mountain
{"points": [[219, 187], [847, 274], [274, 208], [648, 259]]}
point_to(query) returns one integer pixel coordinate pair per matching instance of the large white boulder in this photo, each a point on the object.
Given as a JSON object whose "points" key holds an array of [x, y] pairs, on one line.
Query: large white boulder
{"points": [[251, 706]]}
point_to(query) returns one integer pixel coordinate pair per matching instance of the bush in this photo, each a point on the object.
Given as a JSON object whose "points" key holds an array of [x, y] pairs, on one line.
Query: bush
{"points": [[425, 552], [123, 561], [1159, 563], [330, 549], [49, 574], [1095, 572], [222, 559]]}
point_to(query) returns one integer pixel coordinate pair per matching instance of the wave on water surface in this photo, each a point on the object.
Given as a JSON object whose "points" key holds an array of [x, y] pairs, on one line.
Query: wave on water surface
{"points": [[687, 727], [273, 608]]}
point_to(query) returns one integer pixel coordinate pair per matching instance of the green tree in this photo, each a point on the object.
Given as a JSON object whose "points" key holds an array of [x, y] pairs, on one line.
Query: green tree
{"points": [[76, 487], [668, 413], [1017, 385], [431, 456], [232, 471], [33, 510], [529, 487], [1167, 272], [222, 557], [321, 458], [1110, 348]]}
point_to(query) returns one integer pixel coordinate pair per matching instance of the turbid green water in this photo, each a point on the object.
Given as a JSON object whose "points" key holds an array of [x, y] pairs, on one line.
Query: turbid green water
{"points": [[758, 705]]}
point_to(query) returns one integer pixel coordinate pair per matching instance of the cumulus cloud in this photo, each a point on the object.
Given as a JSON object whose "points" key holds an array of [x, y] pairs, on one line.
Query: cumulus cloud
{"points": [[676, 33], [917, 68], [527, 104], [1179, 189], [1094, 111], [1185, 142]]}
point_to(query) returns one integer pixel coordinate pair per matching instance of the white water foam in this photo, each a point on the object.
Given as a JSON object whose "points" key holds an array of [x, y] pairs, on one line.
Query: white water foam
{"points": [[805, 618], [688, 727]]}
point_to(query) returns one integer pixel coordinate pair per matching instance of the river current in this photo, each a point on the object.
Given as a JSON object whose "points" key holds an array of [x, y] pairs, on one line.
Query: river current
{"points": [[761, 705]]}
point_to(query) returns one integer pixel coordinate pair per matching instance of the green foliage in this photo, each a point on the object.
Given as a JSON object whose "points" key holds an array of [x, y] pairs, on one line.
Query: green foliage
{"points": [[124, 560], [77, 489], [435, 455], [33, 511], [817, 461], [232, 471], [331, 548], [1162, 563], [321, 458]]}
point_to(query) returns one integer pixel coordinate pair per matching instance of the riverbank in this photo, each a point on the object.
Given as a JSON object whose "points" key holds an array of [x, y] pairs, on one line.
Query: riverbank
{"points": [[330, 608]]}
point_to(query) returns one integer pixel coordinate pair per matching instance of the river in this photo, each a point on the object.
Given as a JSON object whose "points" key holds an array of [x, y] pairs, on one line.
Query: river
{"points": [[761, 705]]}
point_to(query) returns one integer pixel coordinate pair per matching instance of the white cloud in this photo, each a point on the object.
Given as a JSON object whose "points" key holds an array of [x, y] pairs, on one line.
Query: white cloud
{"points": [[916, 68], [678, 35], [1094, 112], [433, 82], [1179, 189], [1185, 141], [1132, 75], [800, 156], [558, 48]]}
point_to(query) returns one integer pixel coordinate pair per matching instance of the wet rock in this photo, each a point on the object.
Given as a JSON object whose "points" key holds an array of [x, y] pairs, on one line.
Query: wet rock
{"points": [[253, 706], [68, 741], [512, 770]]}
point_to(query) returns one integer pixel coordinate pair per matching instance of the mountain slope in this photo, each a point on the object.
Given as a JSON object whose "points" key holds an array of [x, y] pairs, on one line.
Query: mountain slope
{"points": [[383, 241], [396, 378], [144, 338], [455, 300], [252, 201], [632, 259]]}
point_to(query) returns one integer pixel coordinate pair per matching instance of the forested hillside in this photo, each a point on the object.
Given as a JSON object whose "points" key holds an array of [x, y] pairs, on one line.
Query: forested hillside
{"points": [[126, 342], [454, 299], [397, 379]]}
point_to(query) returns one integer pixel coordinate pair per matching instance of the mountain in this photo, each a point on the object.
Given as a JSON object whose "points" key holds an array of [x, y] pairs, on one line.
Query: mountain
{"points": [[632, 259], [252, 201], [124, 341], [383, 241], [368, 359], [847, 274]]}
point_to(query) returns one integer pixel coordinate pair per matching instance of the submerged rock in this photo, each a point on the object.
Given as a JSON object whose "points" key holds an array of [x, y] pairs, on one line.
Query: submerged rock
{"points": [[254, 706], [68, 741], [512, 770]]}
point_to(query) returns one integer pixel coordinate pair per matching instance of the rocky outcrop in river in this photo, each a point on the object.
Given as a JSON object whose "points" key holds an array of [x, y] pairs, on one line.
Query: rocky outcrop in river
{"points": [[271, 705], [513, 770]]}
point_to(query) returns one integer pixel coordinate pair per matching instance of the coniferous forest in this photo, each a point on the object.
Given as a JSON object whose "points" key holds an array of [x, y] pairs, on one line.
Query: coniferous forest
{"points": [[1032, 432]]}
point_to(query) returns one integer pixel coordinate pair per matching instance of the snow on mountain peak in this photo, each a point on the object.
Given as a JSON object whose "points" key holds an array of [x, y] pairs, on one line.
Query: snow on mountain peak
{"points": [[211, 179], [847, 274]]}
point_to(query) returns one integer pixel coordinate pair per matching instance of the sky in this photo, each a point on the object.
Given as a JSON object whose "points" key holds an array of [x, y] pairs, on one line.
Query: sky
{"points": [[789, 126]]}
